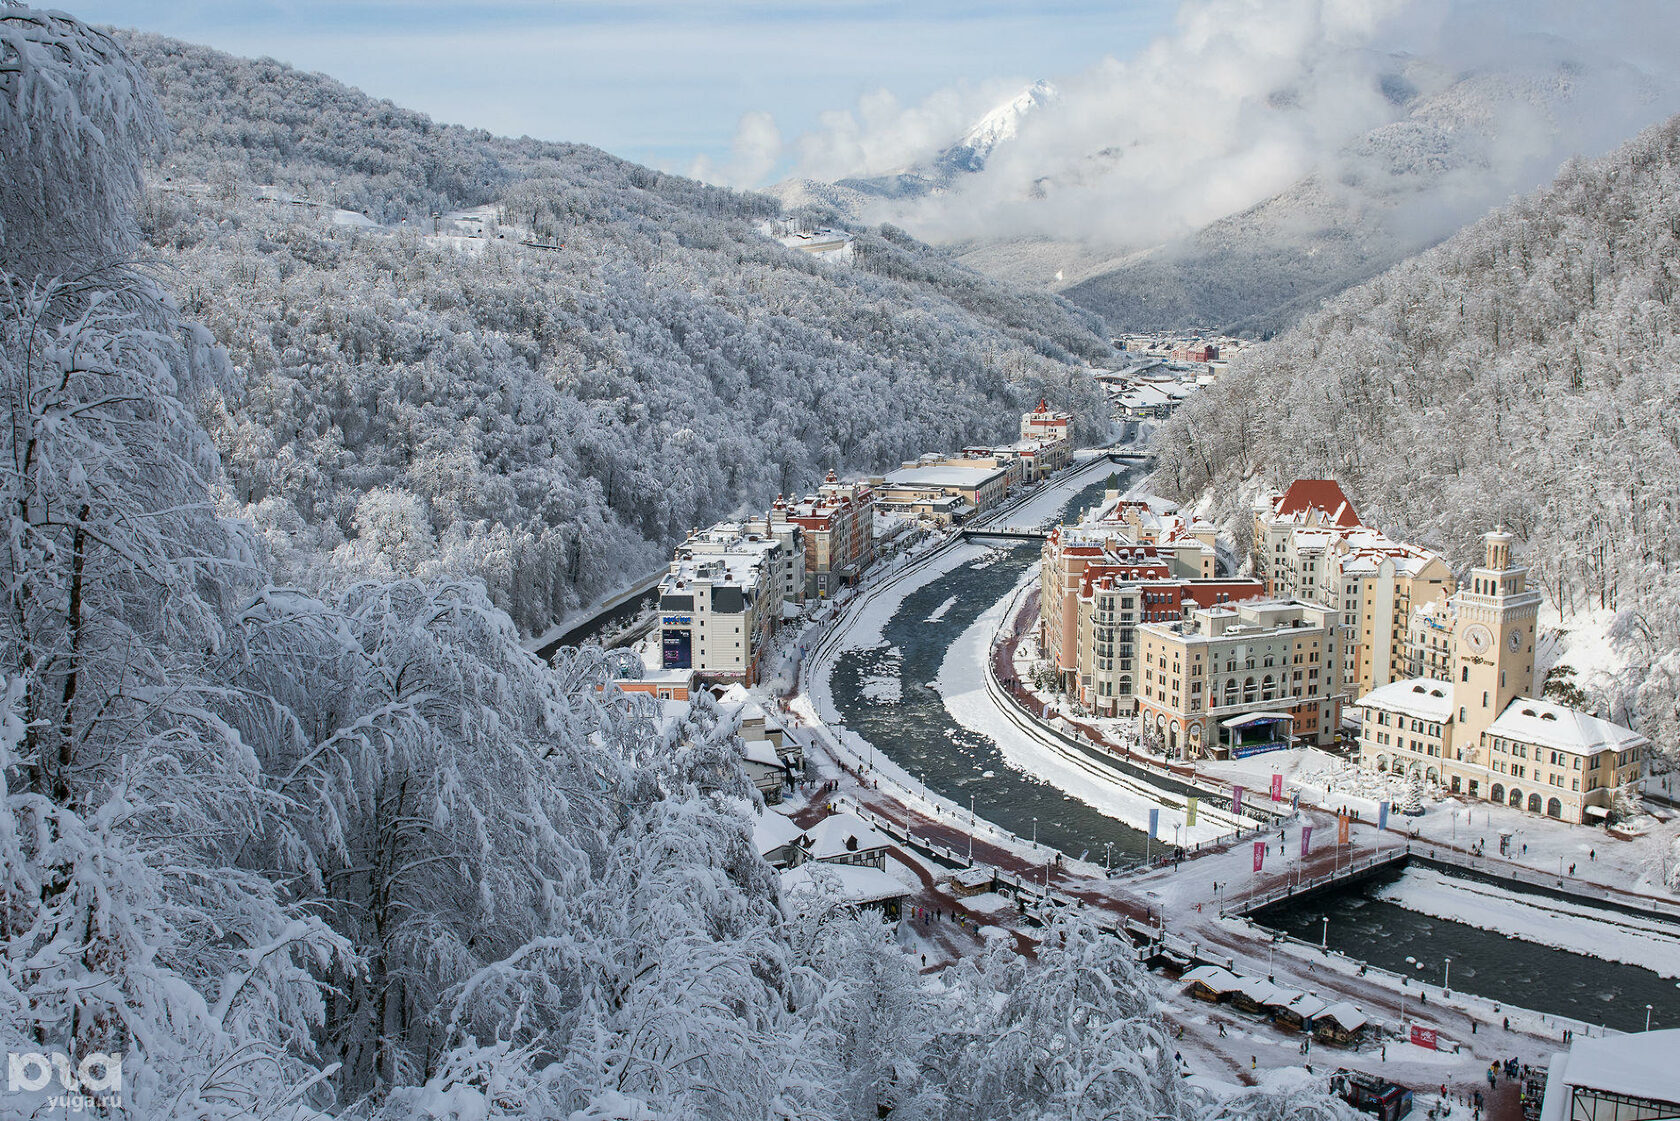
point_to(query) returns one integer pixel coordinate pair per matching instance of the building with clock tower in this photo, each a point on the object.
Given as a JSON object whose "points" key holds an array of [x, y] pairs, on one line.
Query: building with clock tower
{"points": [[1493, 620], [1472, 726]]}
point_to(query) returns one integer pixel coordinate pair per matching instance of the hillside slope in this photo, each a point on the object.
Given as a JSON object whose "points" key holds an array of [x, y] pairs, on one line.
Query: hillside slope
{"points": [[1523, 372], [548, 418]]}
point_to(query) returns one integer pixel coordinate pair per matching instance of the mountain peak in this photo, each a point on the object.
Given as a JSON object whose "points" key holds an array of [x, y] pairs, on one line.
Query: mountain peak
{"points": [[1000, 124]]}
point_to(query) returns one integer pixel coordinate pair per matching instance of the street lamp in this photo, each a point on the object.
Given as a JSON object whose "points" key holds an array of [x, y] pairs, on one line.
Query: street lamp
{"points": [[1446, 979], [971, 829], [1035, 832], [1647, 1017], [1324, 937], [1108, 857]]}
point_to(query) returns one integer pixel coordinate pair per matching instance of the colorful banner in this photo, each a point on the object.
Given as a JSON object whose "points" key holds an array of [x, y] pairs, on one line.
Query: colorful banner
{"points": [[1259, 855], [1306, 840], [1342, 829], [1236, 800], [1424, 1037], [1382, 815], [1154, 824], [1190, 813]]}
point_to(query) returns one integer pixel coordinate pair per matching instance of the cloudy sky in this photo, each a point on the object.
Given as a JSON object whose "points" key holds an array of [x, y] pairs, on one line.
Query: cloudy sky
{"points": [[662, 82]]}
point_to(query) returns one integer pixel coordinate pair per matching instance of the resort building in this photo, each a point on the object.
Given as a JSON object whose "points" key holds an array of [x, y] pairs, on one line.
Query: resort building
{"points": [[1238, 680], [837, 525], [719, 604], [950, 491], [1471, 725], [1309, 544]]}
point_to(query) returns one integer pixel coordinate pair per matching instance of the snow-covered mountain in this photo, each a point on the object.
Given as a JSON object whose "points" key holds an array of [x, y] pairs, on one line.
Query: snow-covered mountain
{"points": [[997, 127], [1396, 189], [593, 359], [1155, 220], [877, 198]]}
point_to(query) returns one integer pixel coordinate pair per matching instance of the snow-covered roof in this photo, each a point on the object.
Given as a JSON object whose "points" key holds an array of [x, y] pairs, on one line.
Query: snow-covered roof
{"points": [[1528, 720], [829, 836], [1640, 1065], [763, 752], [1257, 989], [1248, 718], [1218, 979], [772, 830], [1306, 1006], [1422, 697], [944, 476], [856, 883], [1344, 1014]]}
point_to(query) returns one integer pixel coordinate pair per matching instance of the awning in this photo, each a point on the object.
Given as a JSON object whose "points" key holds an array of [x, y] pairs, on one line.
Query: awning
{"points": [[1597, 811], [1256, 718]]}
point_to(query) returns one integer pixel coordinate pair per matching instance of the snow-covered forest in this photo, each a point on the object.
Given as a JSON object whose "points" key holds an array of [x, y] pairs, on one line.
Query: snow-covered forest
{"points": [[546, 419], [343, 849], [1524, 372]]}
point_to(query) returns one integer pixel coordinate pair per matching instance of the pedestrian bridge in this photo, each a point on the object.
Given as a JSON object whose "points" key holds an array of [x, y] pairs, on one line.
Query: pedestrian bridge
{"points": [[1002, 533]]}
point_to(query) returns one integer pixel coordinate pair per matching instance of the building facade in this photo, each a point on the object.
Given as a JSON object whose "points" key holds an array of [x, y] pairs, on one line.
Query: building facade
{"points": [[1470, 724], [719, 603], [837, 531], [1238, 680]]}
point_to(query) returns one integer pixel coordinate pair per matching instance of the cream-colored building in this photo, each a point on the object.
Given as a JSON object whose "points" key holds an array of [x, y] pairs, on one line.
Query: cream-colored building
{"points": [[1239, 680], [1473, 727], [1309, 544]]}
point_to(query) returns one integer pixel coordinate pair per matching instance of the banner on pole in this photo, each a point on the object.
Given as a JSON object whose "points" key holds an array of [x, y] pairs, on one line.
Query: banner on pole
{"points": [[1259, 855], [1277, 787], [1236, 800], [1154, 822], [1342, 829], [1306, 840], [1382, 815], [1190, 813]]}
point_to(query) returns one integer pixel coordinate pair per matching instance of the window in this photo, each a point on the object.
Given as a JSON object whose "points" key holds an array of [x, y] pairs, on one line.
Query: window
{"points": [[1466, 672]]}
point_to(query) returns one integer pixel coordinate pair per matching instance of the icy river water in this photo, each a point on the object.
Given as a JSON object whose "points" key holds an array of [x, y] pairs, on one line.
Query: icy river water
{"points": [[1518, 971], [885, 696]]}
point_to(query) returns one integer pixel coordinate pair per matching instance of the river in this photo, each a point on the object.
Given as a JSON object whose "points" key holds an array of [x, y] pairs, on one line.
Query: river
{"points": [[885, 696], [1485, 962]]}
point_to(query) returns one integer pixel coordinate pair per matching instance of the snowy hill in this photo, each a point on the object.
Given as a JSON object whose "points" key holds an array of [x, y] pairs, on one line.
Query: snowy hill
{"points": [[536, 363], [1522, 372]]}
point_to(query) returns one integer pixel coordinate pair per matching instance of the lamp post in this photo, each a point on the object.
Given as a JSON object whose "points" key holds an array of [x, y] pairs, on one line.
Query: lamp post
{"points": [[1324, 937], [1446, 979], [1108, 857], [1647, 1017], [971, 829], [1035, 832]]}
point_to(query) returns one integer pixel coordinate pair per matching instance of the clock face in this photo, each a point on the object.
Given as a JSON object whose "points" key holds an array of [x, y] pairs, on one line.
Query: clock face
{"points": [[1515, 641], [1478, 638]]}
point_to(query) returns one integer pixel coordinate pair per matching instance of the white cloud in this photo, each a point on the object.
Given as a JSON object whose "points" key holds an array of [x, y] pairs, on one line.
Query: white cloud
{"points": [[1246, 97]]}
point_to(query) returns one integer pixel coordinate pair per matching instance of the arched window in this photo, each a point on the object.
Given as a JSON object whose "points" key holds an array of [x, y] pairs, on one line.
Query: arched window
{"points": [[1516, 798], [1231, 691], [1248, 689], [1554, 808], [1455, 784], [1268, 688], [1498, 792], [1382, 763], [1534, 803]]}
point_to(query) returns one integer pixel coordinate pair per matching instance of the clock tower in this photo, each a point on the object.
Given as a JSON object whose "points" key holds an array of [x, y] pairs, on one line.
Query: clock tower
{"points": [[1493, 641]]}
